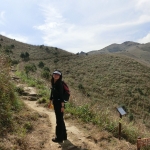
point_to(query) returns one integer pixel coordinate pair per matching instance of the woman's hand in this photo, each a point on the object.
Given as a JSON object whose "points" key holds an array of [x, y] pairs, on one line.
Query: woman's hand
{"points": [[62, 109], [50, 105]]}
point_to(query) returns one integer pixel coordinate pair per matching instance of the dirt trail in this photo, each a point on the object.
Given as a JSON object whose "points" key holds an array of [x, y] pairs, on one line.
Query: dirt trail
{"points": [[77, 140]]}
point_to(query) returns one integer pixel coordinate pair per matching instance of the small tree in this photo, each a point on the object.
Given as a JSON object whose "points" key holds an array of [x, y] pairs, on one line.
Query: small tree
{"points": [[12, 46], [25, 56], [41, 64], [30, 68], [56, 60], [45, 74], [46, 69], [41, 46], [22, 55]]}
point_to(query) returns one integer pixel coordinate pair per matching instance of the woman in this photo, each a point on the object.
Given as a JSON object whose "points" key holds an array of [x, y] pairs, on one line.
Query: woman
{"points": [[56, 98]]}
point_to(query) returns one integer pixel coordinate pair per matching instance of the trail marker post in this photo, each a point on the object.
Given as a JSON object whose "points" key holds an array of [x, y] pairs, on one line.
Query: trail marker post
{"points": [[121, 113]]}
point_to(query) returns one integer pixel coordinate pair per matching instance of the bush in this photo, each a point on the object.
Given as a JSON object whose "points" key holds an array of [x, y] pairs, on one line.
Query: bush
{"points": [[25, 56], [19, 90], [43, 100], [41, 64], [30, 68], [8, 100], [12, 46], [46, 69], [14, 62], [45, 74], [80, 86], [56, 60], [103, 120]]}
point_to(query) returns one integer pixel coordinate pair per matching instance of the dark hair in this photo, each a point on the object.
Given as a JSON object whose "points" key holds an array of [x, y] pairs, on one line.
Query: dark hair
{"points": [[59, 80]]}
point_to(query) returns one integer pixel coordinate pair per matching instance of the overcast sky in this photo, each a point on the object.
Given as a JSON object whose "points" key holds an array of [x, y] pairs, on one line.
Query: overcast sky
{"points": [[75, 25]]}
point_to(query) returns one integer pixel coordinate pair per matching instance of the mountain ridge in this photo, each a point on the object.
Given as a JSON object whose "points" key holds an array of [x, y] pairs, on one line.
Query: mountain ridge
{"points": [[140, 52]]}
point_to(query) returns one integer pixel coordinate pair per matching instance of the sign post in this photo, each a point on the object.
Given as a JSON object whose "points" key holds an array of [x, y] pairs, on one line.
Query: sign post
{"points": [[121, 113]]}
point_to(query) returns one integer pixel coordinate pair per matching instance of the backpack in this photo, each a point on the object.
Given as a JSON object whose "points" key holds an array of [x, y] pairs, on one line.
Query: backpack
{"points": [[66, 92]]}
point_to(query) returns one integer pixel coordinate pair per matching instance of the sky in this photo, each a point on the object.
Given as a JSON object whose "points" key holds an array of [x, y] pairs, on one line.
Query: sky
{"points": [[75, 25]]}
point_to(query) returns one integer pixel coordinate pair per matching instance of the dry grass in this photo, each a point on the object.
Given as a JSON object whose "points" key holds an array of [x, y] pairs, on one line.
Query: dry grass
{"points": [[18, 123], [104, 81]]}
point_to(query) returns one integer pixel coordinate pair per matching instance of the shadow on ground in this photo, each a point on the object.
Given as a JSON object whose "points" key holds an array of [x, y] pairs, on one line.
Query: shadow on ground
{"points": [[67, 145]]}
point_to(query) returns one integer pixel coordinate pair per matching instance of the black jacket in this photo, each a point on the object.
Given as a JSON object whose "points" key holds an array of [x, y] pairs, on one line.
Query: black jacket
{"points": [[57, 92]]}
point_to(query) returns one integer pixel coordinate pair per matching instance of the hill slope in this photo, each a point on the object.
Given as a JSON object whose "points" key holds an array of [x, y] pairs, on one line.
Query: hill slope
{"points": [[106, 80], [15, 48], [140, 52]]}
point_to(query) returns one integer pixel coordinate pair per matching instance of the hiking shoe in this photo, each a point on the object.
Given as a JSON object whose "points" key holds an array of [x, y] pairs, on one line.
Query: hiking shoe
{"points": [[57, 140]]}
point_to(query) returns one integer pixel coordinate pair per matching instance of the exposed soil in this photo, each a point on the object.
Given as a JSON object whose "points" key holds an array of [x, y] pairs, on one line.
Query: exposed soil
{"points": [[80, 136], [77, 139]]}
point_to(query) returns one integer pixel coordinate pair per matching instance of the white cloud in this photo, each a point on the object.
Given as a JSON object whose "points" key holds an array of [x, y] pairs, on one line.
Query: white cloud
{"points": [[142, 6], [145, 39], [2, 17], [70, 28], [75, 25], [16, 37]]}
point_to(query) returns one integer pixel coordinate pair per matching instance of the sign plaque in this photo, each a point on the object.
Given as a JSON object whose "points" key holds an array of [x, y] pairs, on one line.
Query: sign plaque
{"points": [[121, 111]]}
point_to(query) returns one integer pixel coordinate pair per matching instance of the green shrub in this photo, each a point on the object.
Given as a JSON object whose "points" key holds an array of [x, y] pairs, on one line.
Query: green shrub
{"points": [[45, 74], [19, 90], [41, 64], [28, 126], [14, 62], [8, 100], [103, 120], [24, 56], [46, 69], [80, 86], [30, 68], [43, 100], [12, 46], [56, 60]]}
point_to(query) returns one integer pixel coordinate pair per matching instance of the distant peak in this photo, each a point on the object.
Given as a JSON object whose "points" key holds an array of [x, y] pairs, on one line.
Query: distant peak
{"points": [[130, 43]]}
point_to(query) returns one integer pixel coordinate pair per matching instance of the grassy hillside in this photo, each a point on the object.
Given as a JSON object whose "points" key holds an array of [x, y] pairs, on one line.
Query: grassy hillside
{"points": [[109, 79], [104, 81], [115, 48], [14, 49], [140, 52]]}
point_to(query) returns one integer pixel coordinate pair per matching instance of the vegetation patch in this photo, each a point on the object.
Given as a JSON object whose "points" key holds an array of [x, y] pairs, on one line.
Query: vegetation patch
{"points": [[8, 99], [104, 121]]}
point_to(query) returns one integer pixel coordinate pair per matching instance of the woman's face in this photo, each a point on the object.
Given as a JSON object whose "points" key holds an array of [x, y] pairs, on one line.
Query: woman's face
{"points": [[56, 76]]}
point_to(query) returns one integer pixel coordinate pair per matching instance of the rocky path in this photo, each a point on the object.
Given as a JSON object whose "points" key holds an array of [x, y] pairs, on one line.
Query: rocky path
{"points": [[77, 139]]}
